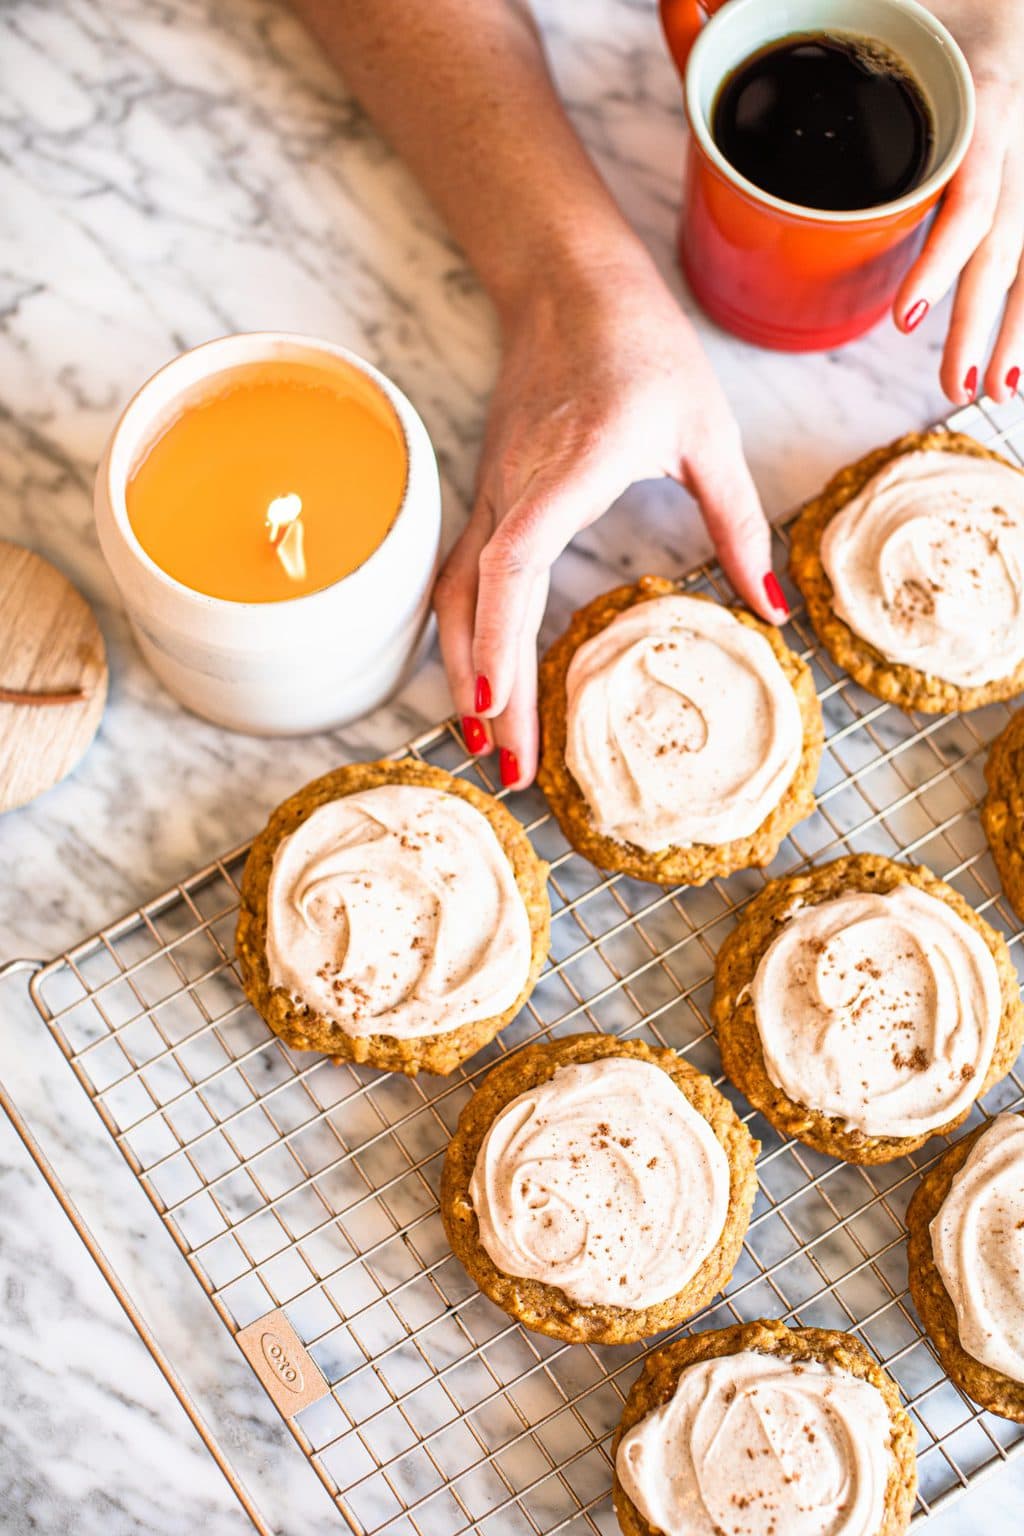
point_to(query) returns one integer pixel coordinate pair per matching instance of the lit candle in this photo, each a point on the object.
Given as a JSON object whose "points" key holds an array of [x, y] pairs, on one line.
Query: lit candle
{"points": [[281, 478], [270, 509]]}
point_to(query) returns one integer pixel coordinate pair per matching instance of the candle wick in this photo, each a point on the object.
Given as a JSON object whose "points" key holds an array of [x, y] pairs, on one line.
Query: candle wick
{"points": [[284, 526], [290, 551]]}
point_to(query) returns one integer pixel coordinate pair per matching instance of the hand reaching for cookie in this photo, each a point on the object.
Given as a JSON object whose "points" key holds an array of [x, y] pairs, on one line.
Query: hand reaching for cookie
{"points": [[977, 240], [603, 383]]}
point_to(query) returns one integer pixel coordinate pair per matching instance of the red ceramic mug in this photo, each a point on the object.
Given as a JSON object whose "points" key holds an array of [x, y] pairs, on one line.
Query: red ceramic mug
{"points": [[783, 276]]}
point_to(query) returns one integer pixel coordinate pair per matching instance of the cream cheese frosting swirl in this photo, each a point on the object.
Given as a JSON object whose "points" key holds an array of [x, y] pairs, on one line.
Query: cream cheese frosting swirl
{"points": [[978, 1245], [927, 565], [758, 1445], [603, 1181], [395, 911], [880, 1009], [681, 726]]}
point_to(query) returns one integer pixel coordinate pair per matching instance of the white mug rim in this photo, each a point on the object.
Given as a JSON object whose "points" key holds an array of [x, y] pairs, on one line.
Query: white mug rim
{"points": [[932, 184], [115, 491]]}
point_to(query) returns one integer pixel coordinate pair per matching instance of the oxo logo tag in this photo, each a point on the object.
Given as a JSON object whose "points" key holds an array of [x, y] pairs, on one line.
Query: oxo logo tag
{"points": [[282, 1363], [285, 1369]]}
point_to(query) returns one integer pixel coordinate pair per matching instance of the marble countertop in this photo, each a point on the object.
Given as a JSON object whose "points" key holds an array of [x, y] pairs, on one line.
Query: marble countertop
{"points": [[171, 170]]}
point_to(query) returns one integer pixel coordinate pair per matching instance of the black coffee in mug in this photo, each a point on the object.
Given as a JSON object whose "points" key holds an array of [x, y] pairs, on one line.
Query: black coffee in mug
{"points": [[825, 121]]}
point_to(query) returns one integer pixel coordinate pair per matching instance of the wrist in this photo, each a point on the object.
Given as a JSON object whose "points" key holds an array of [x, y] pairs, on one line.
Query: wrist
{"points": [[563, 266]]}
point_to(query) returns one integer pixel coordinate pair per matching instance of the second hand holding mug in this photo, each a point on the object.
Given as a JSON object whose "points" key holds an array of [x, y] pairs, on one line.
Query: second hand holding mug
{"points": [[772, 272]]}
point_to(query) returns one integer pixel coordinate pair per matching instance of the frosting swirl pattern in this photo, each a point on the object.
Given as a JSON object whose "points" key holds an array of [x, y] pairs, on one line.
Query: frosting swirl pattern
{"points": [[927, 565], [681, 725], [603, 1181], [758, 1445], [396, 911], [978, 1246], [881, 1009]]}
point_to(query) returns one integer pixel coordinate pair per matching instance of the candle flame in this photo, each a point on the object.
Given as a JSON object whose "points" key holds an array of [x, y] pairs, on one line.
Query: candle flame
{"points": [[286, 533]]}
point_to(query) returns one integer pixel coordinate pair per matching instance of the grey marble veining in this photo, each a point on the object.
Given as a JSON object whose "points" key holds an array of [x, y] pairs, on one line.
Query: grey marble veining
{"points": [[170, 170]]}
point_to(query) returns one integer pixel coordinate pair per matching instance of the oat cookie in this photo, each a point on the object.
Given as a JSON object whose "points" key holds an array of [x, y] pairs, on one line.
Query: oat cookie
{"points": [[989, 1387], [301, 1027], [661, 1373], [545, 1307], [672, 865], [889, 680], [1002, 811], [733, 1009]]}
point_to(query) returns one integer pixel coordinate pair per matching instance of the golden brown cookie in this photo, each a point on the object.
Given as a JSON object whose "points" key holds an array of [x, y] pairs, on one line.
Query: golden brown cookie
{"points": [[733, 1009], [1002, 811], [889, 680], [994, 1391], [672, 865], [297, 1024], [660, 1376], [544, 1307]]}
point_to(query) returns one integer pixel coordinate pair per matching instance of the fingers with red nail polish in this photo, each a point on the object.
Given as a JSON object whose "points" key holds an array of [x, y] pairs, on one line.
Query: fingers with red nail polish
{"points": [[971, 382], [775, 595], [721, 481], [483, 695], [474, 734], [1012, 380], [915, 314], [515, 729], [508, 765]]}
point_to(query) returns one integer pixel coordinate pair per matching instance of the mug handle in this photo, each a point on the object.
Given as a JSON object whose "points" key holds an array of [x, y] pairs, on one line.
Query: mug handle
{"points": [[681, 22]]}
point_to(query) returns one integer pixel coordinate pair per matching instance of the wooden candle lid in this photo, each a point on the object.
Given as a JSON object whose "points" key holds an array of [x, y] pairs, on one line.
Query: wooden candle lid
{"points": [[53, 675]]}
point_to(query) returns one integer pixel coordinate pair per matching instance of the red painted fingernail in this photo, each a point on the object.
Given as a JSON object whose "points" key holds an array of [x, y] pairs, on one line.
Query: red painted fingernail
{"points": [[473, 731], [508, 764], [915, 314], [971, 381], [775, 593], [1013, 379], [483, 694]]}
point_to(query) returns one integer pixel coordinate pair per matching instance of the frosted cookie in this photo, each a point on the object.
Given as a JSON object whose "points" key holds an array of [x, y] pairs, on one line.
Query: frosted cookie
{"points": [[1002, 811], [394, 915], [965, 1258], [863, 1007], [912, 565], [680, 739], [762, 1430], [598, 1189]]}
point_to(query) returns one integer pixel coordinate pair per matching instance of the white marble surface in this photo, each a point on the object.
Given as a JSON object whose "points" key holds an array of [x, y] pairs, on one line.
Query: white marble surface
{"points": [[170, 170]]}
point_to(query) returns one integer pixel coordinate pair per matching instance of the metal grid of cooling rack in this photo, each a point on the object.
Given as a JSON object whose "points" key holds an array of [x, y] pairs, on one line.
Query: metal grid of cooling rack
{"points": [[288, 1181]]}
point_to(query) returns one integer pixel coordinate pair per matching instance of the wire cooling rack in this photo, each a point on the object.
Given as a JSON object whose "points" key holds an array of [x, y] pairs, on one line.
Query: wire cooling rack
{"points": [[292, 1183]]}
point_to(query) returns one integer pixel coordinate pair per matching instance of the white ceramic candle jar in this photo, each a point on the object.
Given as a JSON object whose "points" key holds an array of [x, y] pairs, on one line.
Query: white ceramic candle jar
{"points": [[302, 664]]}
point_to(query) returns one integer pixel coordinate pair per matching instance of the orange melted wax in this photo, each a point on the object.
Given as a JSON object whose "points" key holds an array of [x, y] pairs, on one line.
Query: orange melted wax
{"points": [[198, 498]]}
